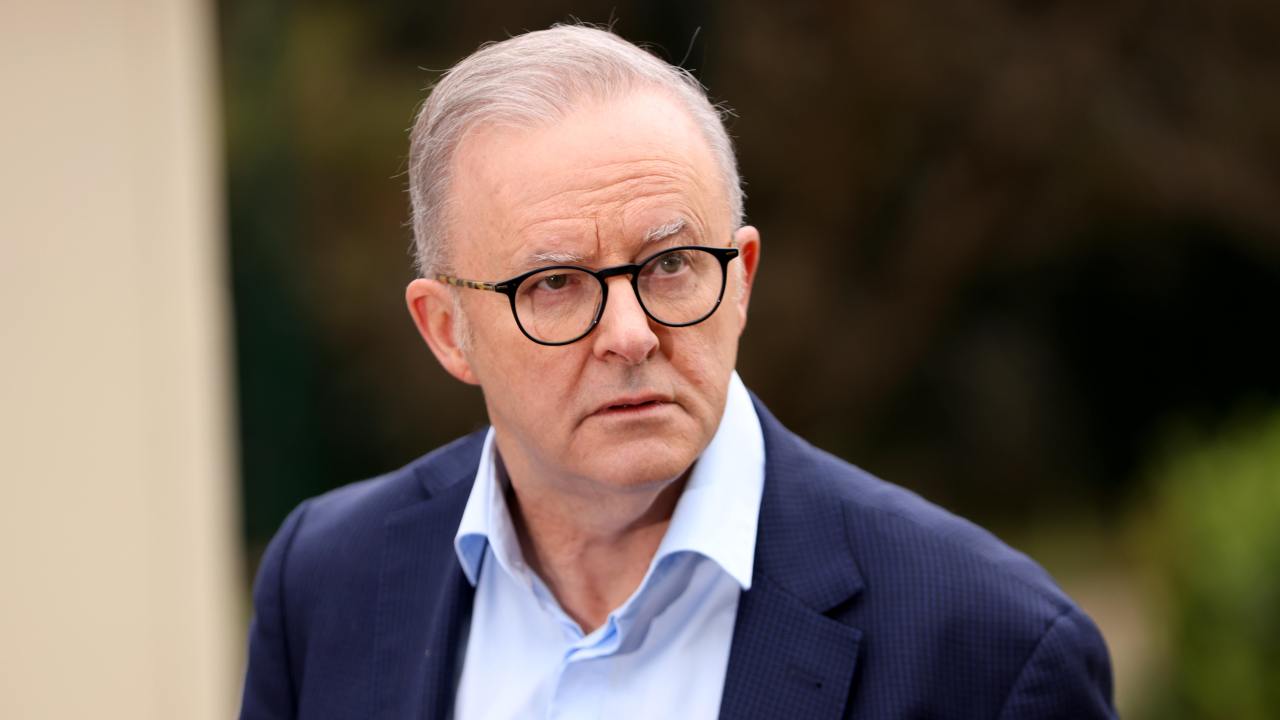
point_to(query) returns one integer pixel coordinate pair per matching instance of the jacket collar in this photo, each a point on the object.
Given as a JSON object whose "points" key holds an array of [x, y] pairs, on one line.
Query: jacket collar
{"points": [[424, 600], [449, 466], [789, 658], [803, 543]]}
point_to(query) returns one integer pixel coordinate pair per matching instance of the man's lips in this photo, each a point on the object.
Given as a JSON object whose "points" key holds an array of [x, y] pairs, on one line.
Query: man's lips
{"points": [[633, 404]]}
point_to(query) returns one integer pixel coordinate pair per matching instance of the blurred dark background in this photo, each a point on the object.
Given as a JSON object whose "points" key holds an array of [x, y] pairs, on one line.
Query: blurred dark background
{"points": [[1023, 257]]}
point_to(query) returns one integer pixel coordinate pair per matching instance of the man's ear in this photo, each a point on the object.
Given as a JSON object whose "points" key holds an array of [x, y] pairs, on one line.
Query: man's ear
{"points": [[431, 305], [747, 240]]}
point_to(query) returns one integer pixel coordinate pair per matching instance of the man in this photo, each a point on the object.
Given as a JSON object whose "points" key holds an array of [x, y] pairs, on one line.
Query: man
{"points": [[635, 535]]}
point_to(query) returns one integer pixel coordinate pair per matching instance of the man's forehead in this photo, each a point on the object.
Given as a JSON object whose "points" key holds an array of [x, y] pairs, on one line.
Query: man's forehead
{"points": [[598, 142], [532, 175], [551, 193]]}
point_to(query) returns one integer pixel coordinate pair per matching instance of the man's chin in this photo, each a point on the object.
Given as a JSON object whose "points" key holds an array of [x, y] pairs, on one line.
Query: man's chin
{"points": [[639, 463]]}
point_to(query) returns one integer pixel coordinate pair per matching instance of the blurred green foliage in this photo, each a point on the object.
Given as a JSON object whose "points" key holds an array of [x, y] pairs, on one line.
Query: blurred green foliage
{"points": [[1214, 537]]}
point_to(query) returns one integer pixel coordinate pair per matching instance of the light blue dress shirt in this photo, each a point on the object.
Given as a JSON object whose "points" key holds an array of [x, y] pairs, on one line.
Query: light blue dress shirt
{"points": [[664, 652]]}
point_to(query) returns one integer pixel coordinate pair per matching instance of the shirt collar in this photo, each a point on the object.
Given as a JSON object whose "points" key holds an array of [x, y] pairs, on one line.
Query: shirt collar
{"points": [[485, 520], [716, 515]]}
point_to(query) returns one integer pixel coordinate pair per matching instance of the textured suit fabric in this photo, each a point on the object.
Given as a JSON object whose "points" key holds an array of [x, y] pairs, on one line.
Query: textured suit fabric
{"points": [[868, 602]]}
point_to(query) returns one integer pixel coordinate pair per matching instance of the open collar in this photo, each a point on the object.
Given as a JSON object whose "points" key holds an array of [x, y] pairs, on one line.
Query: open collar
{"points": [[716, 515]]}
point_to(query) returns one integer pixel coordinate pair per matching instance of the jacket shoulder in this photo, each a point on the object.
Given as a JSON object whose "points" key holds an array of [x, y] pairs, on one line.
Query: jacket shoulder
{"points": [[898, 536], [954, 622], [950, 616], [317, 589], [329, 528]]}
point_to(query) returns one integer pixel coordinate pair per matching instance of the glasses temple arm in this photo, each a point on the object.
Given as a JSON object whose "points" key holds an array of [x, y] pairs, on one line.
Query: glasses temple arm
{"points": [[473, 284]]}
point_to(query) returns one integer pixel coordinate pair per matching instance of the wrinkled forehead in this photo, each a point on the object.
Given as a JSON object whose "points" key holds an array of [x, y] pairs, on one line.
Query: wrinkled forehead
{"points": [[594, 183]]}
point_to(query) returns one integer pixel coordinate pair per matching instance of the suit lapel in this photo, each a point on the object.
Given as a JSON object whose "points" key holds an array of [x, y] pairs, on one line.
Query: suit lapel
{"points": [[424, 599], [788, 658]]}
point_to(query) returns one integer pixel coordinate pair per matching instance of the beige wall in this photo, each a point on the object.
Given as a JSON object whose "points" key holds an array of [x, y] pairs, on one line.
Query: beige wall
{"points": [[117, 559]]}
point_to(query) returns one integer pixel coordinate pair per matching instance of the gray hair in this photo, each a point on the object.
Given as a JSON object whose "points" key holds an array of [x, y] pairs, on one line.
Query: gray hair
{"points": [[532, 80]]}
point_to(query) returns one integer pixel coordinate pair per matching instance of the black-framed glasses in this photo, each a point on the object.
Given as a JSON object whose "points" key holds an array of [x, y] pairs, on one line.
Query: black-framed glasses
{"points": [[561, 304]]}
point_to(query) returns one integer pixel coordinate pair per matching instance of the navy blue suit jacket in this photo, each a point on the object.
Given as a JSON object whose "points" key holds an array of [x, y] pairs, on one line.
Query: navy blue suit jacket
{"points": [[867, 602]]}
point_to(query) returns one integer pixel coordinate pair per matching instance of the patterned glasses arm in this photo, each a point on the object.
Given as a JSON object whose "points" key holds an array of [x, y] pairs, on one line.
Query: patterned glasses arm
{"points": [[473, 284]]}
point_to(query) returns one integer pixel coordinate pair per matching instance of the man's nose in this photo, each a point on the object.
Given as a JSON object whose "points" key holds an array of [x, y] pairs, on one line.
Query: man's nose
{"points": [[625, 331]]}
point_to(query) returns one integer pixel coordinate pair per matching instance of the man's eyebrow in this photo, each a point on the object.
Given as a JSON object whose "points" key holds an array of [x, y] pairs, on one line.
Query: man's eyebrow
{"points": [[655, 234], [662, 232], [552, 257]]}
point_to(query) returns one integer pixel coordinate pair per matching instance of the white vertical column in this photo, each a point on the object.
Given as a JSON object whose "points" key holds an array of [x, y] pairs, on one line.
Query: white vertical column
{"points": [[119, 593]]}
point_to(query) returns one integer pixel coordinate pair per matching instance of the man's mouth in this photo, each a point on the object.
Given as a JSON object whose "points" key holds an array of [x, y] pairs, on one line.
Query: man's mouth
{"points": [[631, 406]]}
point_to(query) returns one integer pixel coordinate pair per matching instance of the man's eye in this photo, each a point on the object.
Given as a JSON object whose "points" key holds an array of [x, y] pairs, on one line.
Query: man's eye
{"points": [[554, 282], [671, 264]]}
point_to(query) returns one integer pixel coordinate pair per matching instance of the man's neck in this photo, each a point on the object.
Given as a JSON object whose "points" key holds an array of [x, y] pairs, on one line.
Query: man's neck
{"points": [[592, 551]]}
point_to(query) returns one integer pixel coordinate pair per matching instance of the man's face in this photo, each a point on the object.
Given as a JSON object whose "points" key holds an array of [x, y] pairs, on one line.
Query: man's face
{"points": [[635, 402]]}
